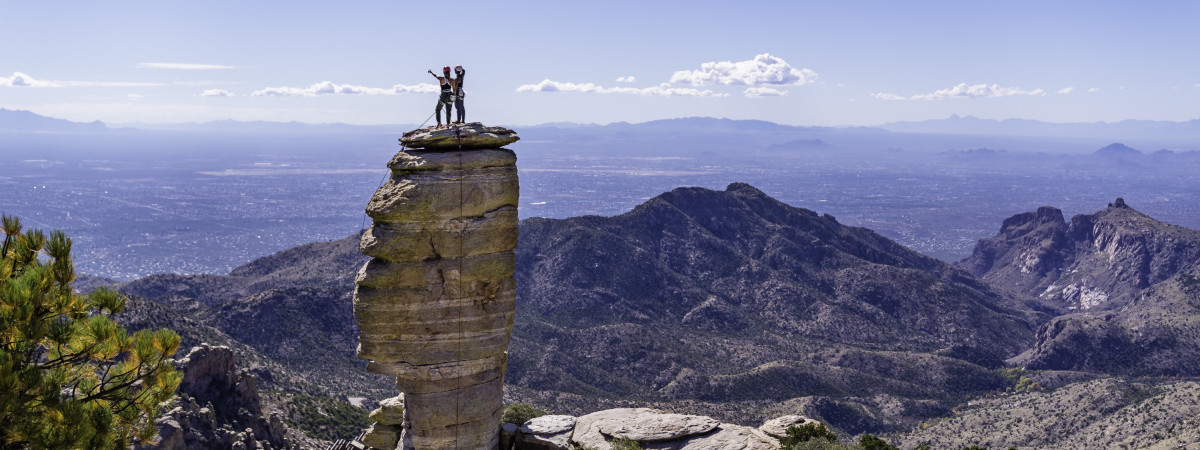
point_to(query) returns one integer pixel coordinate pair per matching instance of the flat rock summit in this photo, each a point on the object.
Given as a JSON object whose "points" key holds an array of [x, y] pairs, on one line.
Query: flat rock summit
{"points": [[470, 136]]}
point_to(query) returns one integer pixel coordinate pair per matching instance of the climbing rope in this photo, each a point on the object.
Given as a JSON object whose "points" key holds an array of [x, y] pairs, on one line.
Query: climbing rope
{"points": [[461, 256]]}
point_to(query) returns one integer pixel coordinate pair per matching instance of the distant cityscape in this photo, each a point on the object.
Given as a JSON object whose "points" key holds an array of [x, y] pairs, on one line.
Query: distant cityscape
{"points": [[210, 212]]}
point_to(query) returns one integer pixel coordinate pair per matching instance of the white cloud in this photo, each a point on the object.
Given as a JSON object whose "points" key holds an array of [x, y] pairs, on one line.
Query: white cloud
{"points": [[1066, 90], [976, 91], [763, 69], [1094, 90], [1196, 85], [662, 90], [628, 79], [182, 66], [19, 79], [136, 96], [759, 92], [216, 93], [331, 88], [967, 91]]}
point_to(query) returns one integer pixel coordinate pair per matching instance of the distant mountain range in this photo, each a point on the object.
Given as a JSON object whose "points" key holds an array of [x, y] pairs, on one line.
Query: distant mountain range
{"points": [[25, 121], [1182, 132], [1177, 135]]}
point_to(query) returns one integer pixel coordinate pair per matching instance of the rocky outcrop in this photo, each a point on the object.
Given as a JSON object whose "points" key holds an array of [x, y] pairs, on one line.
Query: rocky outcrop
{"points": [[778, 426], [1126, 279], [435, 303], [219, 407], [1099, 261], [470, 136], [652, 429]]}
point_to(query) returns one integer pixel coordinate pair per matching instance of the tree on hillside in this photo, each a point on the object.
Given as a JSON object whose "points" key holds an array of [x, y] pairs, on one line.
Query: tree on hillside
{"points": [[69, 376]]}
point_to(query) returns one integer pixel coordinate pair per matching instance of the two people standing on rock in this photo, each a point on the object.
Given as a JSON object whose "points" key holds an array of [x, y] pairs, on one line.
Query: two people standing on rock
{"points": [[451, 94]]}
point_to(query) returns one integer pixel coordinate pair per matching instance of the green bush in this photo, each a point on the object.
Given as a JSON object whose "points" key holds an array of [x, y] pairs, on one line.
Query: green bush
{"points": [[872, 442], [623, 443], [519, 413]]}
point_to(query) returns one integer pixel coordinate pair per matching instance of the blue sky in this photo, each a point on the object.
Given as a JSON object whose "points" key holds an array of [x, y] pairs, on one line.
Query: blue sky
{"points": [[529, 62]]}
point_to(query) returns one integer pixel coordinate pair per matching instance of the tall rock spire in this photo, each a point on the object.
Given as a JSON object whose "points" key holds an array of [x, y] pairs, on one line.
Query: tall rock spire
{"points": [[435, 303]]}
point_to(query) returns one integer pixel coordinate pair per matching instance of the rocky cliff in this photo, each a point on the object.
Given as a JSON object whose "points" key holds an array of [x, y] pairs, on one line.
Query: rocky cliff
{"points": [[435, 303], [1126, 281]]}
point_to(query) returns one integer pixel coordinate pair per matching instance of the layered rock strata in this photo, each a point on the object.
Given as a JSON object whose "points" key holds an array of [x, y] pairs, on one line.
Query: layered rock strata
{"points": [[435, 303]]}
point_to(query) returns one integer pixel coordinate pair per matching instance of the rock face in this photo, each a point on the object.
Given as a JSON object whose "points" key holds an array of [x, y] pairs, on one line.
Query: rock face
{"points": [[219, 407], [469, 136], [435, 303]]}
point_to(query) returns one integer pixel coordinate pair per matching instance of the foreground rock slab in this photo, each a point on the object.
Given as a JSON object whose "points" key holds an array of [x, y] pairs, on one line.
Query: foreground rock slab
{"points": [[652, 429], [640, 424], [470, 136]]}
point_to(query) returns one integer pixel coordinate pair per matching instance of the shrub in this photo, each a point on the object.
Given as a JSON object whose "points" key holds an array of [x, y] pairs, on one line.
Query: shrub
{"points": [[519, 413], [623, 443], [872, 442]]}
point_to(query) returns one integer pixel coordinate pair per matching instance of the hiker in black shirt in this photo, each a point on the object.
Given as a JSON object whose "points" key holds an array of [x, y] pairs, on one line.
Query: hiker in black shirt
{"points": [[446, 98]]}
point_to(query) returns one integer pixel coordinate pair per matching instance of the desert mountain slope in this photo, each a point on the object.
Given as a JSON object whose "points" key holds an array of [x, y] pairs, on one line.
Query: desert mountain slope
{"points": [[732, 295]]}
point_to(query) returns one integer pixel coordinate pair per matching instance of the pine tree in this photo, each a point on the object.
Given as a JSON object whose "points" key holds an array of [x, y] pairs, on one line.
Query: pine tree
{"points": [[70, 377]]}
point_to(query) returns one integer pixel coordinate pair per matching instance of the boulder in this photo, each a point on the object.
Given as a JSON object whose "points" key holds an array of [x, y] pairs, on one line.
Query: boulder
{"points": [[724, 437], [546, 433], [778, 426], [639, 424], [468, 136]]}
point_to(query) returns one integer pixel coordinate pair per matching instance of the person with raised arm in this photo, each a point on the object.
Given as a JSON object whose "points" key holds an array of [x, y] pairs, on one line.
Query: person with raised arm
{"points": [[446, 98]]}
